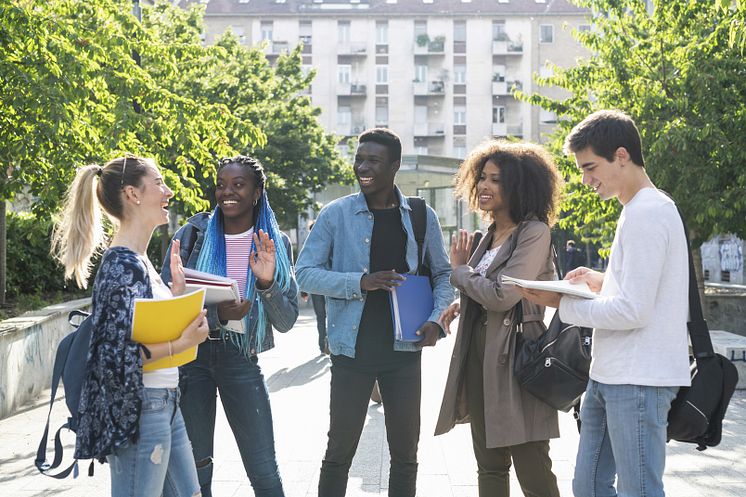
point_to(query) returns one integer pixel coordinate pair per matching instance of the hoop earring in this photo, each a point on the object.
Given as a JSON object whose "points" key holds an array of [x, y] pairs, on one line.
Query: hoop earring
{"points": [[255, 202]]}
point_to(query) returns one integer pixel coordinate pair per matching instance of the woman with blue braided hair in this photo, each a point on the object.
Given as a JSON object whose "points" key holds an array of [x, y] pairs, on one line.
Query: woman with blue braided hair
{"points": [[239, 239]]}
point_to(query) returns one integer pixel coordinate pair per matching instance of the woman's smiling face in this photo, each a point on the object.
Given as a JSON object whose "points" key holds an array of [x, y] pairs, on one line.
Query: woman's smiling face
{"points": [[236, 192]]}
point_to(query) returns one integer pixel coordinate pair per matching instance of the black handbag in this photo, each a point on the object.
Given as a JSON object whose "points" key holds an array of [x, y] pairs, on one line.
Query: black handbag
{"points": [[553, 368], [696, 414]]}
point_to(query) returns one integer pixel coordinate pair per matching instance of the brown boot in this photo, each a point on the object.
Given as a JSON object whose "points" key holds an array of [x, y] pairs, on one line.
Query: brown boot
{"points": [[375, 395]]}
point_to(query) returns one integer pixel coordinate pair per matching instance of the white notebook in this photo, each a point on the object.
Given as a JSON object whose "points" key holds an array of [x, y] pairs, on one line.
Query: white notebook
{"points": [[560, 286]]}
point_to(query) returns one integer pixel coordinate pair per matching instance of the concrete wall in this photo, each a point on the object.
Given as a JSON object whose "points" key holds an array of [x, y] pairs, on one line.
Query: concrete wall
{"points": [[726, 312], [28, 345]]}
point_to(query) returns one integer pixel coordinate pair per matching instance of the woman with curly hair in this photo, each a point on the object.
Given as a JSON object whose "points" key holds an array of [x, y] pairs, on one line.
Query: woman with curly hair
{"points": [[517, 187], [239, 239]]}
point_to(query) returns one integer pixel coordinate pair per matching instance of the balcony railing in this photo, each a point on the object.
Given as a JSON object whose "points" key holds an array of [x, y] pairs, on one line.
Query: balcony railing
{"points": [[515, 129], [351, 89], [499, 129], [429, 129], [350, 129], [507, 47], [506, 87], [353, 48], [436, 87], [436, 46], [274, 48]]}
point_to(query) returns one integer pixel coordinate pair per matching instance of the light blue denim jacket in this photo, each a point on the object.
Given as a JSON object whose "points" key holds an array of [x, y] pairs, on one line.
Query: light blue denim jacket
{"points": [[336, 255]]}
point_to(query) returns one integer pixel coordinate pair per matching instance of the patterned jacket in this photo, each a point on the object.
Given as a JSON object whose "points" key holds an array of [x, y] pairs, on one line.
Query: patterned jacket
{"points": [[111, 396]]}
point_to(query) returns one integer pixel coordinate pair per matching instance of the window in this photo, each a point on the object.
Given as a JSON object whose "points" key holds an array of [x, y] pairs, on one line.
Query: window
{"points": [[382, 114], [459, 31], [343, 32], [304, 32], [382, 74], [498, 31], [459, 74], [265, 27], [240, 34], [382, 32], [459, 151], [546, 33], [420, 28], [459, 114], [420, 150], [344, 120], [420, 73], [498, 114], [547, 117], [343, 73]]}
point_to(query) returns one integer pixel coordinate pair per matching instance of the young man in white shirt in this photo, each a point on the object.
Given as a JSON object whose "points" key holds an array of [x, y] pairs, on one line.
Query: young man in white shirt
{"points": [[640, 347]]}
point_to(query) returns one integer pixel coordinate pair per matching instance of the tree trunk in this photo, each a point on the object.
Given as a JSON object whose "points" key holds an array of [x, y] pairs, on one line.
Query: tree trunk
{"points": [[699, 272], [3, 258]]}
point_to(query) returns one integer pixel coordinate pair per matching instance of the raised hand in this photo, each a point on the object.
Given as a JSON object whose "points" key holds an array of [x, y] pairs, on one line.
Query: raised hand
{"points": [[461, 243], [178, 283], [263, 260]]}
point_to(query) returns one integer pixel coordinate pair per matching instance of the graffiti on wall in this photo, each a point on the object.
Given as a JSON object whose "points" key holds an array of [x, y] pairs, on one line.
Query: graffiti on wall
{"points": [[731, 255]]}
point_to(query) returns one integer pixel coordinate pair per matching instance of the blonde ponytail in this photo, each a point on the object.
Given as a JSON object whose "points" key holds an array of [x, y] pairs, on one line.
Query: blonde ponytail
{"points": [[79, 233]]}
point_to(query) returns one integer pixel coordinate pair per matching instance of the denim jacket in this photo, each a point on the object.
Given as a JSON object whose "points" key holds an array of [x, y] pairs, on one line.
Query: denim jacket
{"points": [[282, 308], [336, 255]]}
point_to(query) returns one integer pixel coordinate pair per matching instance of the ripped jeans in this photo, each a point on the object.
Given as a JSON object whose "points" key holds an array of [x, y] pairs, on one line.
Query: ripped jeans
{"points": [[161, 461]]}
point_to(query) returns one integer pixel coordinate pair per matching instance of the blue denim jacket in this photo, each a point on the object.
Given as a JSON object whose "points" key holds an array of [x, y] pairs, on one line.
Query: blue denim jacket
{"points": [[336, 255], [282, 309]]}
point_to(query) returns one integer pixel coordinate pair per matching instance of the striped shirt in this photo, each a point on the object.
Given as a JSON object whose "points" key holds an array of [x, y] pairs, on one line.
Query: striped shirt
{"points": [[237, 250]]}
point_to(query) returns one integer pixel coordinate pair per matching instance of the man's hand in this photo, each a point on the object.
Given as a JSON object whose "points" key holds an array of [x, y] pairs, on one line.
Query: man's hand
{"points": [[381, 280], [594, 279], [447, 316], [231, 311], [431, 332], [541, 297]]}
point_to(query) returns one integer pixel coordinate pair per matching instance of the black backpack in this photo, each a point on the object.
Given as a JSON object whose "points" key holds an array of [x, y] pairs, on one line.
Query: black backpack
{"points": [[70, 366], [697, 413]]}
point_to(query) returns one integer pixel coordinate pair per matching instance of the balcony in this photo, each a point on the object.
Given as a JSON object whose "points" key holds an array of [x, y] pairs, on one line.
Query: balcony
{"points": [[502, 87], [425, 46], [350, 129], [422, 130], [359, 49], [515, 129], [351, 90], [507, 47], [275, 48], [425, 88], [499, 129]]}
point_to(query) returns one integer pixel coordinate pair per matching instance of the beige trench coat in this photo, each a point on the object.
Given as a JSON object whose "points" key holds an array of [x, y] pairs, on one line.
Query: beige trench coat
{"points": [[512, 416]]}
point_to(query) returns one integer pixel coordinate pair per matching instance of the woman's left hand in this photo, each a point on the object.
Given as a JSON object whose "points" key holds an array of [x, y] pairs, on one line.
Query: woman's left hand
{"points": [[460, 248], [178, 283], [263, 261]]}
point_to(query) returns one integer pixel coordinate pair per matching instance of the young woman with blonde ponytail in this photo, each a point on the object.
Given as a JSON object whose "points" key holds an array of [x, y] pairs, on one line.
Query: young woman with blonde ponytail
{"points": [[130, 418]]}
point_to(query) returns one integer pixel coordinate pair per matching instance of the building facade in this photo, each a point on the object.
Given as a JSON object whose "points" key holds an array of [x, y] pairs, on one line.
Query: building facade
{"points": [[438, 72]]}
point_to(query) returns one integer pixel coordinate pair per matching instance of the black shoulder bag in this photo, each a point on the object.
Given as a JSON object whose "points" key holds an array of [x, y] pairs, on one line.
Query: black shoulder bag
{"points": [[697, 413], [554, 368]]}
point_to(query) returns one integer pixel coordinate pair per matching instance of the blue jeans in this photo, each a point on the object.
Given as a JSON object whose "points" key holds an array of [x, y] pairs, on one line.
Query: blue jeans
{"points": [[623, 434], [220, 366], [160, 463]]}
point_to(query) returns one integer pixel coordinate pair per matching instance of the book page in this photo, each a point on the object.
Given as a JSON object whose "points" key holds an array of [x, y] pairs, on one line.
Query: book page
{"points": [[561, 286]]}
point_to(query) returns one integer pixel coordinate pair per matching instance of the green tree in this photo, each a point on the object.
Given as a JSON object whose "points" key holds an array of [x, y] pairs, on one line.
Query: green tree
{"points": [[680, 73], [298, 155]]}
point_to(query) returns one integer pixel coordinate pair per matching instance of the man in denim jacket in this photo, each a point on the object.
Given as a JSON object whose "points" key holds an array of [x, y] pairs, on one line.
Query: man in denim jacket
{"points": [[357, 252]]}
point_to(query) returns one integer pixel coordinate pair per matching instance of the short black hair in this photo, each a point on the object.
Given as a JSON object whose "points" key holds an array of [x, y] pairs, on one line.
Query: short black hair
{"points": [[385, 137], [604, 132]]}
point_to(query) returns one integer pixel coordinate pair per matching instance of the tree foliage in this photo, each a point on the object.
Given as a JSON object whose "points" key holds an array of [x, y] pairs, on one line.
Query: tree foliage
{"points": [[680, 73]]}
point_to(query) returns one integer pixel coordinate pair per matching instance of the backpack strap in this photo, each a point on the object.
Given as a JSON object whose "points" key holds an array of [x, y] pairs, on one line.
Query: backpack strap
{"points": [[418, 216], [41, 454]]}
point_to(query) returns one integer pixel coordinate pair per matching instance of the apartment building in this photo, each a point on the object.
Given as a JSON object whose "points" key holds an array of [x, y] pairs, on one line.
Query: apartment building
{"points": [[438, 72]]}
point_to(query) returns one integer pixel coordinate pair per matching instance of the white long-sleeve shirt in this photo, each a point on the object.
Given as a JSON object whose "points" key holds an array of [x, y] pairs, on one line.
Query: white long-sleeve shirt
{"points": [[640, 335]]}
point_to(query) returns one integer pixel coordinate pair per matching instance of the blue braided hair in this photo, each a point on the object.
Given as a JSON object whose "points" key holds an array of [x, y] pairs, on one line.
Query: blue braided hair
{"points": [[212, 256]]}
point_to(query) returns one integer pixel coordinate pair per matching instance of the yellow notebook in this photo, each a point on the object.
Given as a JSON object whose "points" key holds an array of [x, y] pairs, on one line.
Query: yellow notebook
{"points": [[158, 321]]}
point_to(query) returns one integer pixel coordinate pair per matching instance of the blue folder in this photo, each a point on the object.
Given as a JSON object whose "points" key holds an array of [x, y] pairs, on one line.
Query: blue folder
{"points": [[411, 306]]}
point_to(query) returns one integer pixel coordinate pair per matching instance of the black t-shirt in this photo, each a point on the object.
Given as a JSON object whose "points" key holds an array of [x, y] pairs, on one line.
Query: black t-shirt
{"points": [[374, 348]]}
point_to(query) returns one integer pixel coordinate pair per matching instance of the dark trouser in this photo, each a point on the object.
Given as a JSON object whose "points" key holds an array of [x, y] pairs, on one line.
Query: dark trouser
{"points": [[319, 308], [350, 395], [221, 366], [533, 467]]}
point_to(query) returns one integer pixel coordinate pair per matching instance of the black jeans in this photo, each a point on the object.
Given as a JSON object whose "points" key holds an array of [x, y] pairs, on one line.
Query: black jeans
{"points": [[319, 308], [350, 394]]}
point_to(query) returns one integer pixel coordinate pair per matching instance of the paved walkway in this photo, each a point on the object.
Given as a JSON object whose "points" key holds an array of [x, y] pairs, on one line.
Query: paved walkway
{"points": [[298, 380]]}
